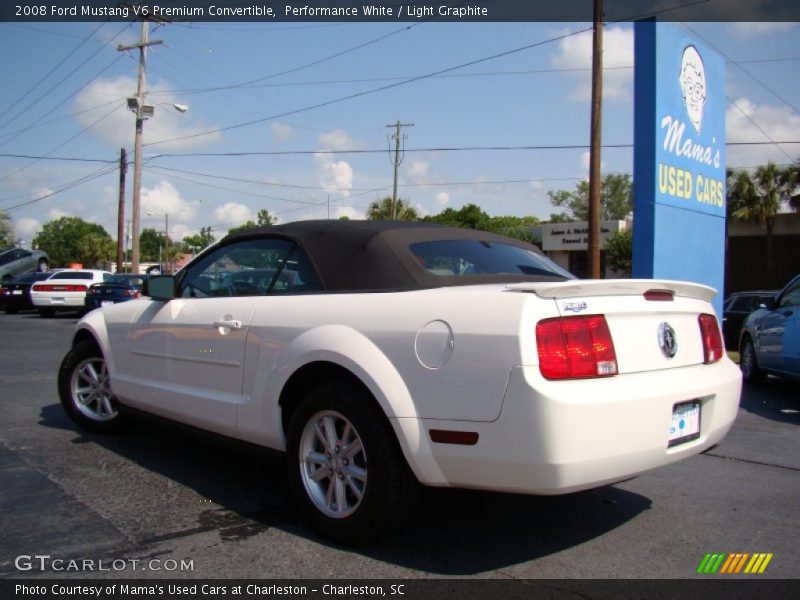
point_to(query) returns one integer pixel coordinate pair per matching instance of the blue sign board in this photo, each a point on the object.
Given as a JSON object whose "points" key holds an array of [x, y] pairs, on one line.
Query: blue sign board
{"points": [[679, 158]]}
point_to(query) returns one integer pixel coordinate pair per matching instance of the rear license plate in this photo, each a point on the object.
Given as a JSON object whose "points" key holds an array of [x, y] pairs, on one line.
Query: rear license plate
{"points": [[16, 292], [106, 303], [685, 423], [57, 301]]}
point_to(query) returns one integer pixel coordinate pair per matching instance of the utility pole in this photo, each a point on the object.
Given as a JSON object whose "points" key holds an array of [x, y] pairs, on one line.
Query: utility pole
{"points": [[396, 162], [123, 170], [166, 243], [594, 153], [143, 111]]}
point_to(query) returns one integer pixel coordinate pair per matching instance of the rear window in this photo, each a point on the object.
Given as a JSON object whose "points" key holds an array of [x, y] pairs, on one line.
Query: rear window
{"points": [[73, 275], [126, 280], [449, 258]]}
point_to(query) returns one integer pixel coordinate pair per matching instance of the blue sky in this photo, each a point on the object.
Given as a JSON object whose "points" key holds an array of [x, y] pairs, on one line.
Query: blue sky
{"points": [[64, 96]]}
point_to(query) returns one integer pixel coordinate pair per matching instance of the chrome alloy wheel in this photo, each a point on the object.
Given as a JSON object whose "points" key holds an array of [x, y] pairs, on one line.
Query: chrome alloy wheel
{"points": [[333, 464], [90, 390]]}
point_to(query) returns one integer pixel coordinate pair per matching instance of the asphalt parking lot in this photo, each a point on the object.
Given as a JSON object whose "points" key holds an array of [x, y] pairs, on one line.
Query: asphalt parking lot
{"points": [[163, 494]]}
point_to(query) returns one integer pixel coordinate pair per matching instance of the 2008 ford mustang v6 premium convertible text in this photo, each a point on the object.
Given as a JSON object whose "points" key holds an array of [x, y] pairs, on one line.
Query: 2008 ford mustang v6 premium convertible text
{"points": [[383, 355]]}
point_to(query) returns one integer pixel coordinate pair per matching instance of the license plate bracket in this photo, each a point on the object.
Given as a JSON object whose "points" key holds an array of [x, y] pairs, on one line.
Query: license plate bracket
{"points": [[685, 423]]}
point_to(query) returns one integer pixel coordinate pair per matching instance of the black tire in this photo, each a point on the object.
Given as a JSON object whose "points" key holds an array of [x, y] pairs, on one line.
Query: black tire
{"points": [[42, 265], [388, 490], [46, 313], [748, 363], [12, 311], [85, 391]]}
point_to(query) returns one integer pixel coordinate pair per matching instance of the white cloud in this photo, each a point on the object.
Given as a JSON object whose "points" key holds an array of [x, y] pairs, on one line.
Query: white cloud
{"points": [[417, 170], [335, 175], [350, 212], [748, 122], [281, 131], [56, 213], [751, 30], [575, 52], [26, 228], [234, 212], [332, 174], [336, 141], [442, 198], [101, 106]]}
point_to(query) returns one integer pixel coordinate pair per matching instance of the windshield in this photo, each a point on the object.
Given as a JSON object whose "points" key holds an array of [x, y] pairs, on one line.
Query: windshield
{"points": [[450, 258]]}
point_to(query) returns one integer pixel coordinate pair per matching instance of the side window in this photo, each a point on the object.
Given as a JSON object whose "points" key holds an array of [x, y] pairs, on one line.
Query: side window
{"points": [[792, 297], [743, 304], [298, 276], [250, 268]]}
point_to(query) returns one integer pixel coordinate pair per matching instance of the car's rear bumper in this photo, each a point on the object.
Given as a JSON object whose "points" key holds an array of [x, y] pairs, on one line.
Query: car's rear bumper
{"points": [[63, 302], [558, 437]]}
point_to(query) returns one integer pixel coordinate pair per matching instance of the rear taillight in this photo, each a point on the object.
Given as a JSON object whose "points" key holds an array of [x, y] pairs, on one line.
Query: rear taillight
{"points": [[132, 293], [575, 347], [3, 291], [712, 339], [67, 287], [91, 292]]}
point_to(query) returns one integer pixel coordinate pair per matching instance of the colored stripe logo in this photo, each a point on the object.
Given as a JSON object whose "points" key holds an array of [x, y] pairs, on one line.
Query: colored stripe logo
{"points": [[734, 564]]}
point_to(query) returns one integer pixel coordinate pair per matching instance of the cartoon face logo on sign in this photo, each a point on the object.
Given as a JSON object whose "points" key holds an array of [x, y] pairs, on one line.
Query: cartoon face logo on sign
{"points": [[693, 85]]}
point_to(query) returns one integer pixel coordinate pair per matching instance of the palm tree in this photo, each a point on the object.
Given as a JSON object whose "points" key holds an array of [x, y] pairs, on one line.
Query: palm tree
{"points": [[758, 198], [381, 210]]}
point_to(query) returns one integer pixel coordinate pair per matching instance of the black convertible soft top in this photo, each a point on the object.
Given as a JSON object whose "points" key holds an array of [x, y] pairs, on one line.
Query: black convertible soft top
{"points": [[375, 256]]}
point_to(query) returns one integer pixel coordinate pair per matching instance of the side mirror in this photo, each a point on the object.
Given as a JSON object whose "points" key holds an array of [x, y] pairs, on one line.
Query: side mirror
{"points": [[159, 287], [768, 304]]}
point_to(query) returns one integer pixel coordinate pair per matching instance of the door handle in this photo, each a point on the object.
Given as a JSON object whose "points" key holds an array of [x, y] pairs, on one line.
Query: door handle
{"points": [[228, 324]]}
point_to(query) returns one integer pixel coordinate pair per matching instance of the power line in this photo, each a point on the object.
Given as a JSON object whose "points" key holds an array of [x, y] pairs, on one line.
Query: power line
{"points": [[61, 102], [350, 151], [51, 121], [64, 143], [50, 72], [294, 201], [69, 186], [59, 82], [373, 90]]}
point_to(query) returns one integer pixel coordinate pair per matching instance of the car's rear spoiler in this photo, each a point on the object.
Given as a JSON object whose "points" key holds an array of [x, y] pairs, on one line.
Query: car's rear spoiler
{"points": [[615, 287]]}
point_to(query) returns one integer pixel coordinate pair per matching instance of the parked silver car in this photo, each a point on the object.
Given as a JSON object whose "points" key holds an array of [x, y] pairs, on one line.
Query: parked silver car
{"points": [[15, 261]]}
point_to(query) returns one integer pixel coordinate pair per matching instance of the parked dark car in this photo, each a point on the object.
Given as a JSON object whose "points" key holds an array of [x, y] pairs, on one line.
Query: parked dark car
{"points": [[736, 309], [770, 342], [117, 288], [15, 295]]}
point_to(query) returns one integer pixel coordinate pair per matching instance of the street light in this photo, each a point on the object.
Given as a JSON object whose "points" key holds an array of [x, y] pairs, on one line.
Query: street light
{"points": [[166, 236]]}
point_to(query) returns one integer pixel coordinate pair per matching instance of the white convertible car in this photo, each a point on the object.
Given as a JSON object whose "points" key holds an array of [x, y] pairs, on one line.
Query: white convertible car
{"points": [[382, 355]]}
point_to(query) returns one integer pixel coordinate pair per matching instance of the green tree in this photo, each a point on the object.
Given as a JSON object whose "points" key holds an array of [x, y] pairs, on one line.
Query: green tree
{"points": [[198, 241], [70, 239], [616, 199], [6, 230], [264, 219], [381, 210], [758, 198], [243, 227], [469, 216], [516, 227], [151, 245], [619, 251], [96, 248]]}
